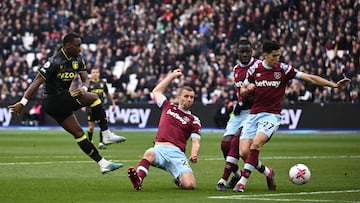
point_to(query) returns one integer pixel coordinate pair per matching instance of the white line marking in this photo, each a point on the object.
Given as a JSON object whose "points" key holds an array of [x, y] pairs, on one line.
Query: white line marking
{"points": [[204, 158], [261, 196], [294, 157]]}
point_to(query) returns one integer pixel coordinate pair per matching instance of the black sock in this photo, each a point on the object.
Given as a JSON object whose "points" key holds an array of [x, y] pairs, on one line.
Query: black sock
{"points": [[88, 148], [90, 135], [99, 114], [101, 136]]}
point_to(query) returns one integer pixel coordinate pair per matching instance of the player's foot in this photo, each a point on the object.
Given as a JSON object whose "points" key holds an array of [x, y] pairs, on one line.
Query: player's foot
{"points": [[111, 166], [270, 180], [239, 188], [220, 187], [110, 138], [102, 146], [134, 178], [233, 182]]}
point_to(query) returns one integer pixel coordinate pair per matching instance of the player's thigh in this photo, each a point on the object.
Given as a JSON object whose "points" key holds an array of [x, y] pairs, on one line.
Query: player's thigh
{"points": [[72, 125], [268, 123], [250, 128], [235, 123]]}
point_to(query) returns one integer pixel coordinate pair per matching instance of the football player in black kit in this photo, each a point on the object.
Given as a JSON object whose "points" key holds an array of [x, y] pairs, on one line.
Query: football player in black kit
{"points": [[59, 102], [99, 87]]}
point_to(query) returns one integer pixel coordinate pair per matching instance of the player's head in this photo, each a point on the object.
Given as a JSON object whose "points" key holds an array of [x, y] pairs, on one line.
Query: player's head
{"points": [[244, 50], [95, 73], [72, 44], [271, 51], [186, 97]]}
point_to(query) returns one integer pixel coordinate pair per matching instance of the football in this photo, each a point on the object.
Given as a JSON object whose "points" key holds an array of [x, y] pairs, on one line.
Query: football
{"points": [[299, 174]]}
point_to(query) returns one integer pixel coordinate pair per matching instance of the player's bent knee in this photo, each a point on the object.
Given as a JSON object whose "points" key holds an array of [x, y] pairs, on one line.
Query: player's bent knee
{"points": [[149, 155], [188, 185], [187, 181]]}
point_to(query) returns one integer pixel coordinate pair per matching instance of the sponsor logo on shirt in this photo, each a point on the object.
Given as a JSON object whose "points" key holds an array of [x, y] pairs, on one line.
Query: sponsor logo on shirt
{"points": [[176, 116], [267, 83]]}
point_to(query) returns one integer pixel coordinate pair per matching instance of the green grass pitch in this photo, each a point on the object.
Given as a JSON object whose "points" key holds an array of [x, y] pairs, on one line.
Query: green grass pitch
{"points": [[48, 166]]}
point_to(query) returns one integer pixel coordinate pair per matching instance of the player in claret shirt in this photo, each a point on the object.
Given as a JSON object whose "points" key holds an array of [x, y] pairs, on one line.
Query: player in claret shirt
{"points": [[230, 141], [268, 80], [177, 124]]}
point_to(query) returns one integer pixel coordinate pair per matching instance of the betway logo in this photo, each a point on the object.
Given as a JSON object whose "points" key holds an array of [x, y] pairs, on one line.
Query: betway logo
{"points": [[5, 116], [129, 115], [290, 117], [266, 83], [176, 116]]}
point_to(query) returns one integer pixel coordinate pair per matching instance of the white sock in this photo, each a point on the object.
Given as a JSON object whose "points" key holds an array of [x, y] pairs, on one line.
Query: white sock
{"points": [[238, 173], [266, 171], [243, 180], [103, 162]]}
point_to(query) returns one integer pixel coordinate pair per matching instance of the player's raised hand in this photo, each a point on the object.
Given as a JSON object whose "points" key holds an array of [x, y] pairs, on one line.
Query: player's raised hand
{"points": [[16, 109], [77, 92], [177, 73], [343, 82]]}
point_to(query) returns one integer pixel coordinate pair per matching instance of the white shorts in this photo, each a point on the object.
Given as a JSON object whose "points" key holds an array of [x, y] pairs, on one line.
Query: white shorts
{"points": [[267, 123], [171, 159], [235, 122]]}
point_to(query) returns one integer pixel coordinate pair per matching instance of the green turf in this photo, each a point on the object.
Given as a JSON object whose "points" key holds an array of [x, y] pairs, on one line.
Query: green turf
{"points": [[47, 166]]}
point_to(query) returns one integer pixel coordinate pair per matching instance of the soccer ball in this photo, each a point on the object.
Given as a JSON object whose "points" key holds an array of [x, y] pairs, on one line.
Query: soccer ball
{"points": [[299, 174]]}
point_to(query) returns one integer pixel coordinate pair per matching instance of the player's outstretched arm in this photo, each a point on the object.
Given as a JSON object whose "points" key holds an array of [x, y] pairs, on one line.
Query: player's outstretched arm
{"points": [[317, 80], [16, 108], [161, 87]]}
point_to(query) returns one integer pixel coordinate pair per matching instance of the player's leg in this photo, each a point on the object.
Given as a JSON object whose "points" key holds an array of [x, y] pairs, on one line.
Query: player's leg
{"points": [[137, 175], [72, 125], [173, 160], [265, 125], [253, 157], [225, 144], [90, 131], [101, 143], [232, 161], [187, 181], [230, 149], [98, 114], [268, 172]]}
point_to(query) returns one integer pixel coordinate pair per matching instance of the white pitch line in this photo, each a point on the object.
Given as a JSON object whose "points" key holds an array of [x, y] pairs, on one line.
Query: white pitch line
{"points": [[261, 196], [57, 162], [294, 157], [204, 158], [298, 200]]}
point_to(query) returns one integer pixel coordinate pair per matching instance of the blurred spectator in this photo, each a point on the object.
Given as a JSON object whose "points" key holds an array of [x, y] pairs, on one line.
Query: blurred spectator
{"points": [[135, 42]]}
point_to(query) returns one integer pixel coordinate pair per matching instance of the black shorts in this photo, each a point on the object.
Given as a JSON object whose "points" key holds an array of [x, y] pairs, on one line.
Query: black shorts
{"points": [[61, 106]]}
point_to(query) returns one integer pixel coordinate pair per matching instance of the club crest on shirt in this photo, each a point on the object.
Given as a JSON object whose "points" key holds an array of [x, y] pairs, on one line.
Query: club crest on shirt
{"points": [[75, 65], [277, 75], [186, 119]]}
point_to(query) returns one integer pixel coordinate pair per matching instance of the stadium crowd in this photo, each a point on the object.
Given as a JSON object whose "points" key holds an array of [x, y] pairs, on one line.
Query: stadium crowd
{"points": [[135, 43]]}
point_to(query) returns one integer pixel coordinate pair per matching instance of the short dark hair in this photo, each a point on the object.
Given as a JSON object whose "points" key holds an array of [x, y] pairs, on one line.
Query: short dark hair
{"points": [[70, 37], [244, 41], [270, 46], [188, 88]]}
